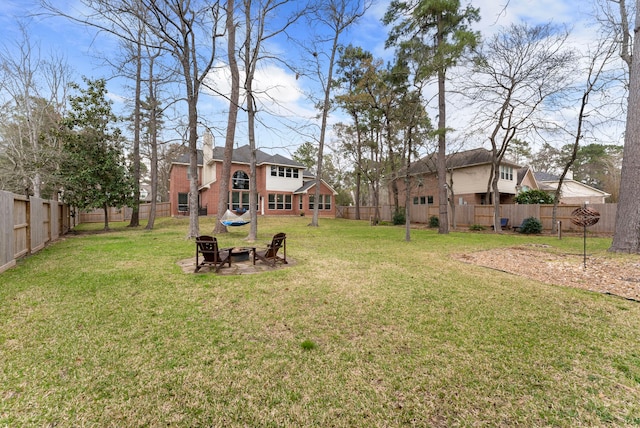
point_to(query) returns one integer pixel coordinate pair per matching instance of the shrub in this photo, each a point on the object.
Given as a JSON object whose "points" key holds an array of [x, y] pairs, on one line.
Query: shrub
{"points": [[477, 227], [531, 225], [534, 196], [399, 217], [434, 221]]}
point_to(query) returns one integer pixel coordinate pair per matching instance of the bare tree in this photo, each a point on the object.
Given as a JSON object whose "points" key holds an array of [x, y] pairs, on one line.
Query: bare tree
{"points": [[181, 26], [257, 32], [336, 16], [187, 30], [614, 19], [36, 89], [136, 49], [153, 125], [225, 176], [598, 60], [513, 74]]}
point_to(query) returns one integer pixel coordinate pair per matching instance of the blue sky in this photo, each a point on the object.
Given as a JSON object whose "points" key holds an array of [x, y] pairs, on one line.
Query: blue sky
{"points": [[83, 49]]}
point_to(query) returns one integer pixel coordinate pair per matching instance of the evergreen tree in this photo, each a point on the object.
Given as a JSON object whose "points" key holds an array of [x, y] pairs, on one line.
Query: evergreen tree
{"points": [[438, 33], [93, 169]]}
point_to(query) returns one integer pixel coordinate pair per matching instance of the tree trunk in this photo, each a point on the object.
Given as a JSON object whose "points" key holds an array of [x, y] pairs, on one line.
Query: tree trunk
{"points": [[358, 191], [496, 198], [192, 87], [452, 200], [135, 215], [443, 218], [358, 166], [326, 106], [232, 118], [253, 192], [407, 192], [194, 226], [392, 163], [153, 136], [105, 207], [627, 235]]}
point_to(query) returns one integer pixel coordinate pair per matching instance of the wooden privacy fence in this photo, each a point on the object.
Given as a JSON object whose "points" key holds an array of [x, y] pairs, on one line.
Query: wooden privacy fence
{"points": [[467, 215], [28, 224], [163, 209]]}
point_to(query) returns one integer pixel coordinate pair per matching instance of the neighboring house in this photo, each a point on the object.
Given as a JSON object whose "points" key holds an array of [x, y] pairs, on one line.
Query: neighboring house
{"points": [[145, 193], [283, 188], [468, 175], [526, 179], [572, 192]]}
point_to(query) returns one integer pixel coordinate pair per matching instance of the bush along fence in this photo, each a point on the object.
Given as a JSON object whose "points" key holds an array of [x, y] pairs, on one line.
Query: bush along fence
{"points": [[27, 224], [468, 216]]}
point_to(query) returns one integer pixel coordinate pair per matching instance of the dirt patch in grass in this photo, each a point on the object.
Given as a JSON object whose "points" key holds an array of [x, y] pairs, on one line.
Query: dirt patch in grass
{"points": [[619, 276]]}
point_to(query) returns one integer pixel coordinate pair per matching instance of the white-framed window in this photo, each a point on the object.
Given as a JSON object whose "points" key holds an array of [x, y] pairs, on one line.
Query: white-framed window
{"points": [[324, 202], [327, 202], [506, 173], [280, 202], [287, 172]]}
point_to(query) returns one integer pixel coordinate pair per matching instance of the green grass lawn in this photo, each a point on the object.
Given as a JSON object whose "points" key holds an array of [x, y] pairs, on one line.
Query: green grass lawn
{"points": [[364, 329]]}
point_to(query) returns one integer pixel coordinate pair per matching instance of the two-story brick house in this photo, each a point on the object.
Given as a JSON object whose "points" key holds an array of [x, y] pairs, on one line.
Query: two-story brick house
{"points": [[468, 174], [282, 185]]}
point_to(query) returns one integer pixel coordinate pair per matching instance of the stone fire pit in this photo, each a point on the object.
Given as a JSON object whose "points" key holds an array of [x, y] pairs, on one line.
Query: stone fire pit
{"points": [[240, 254]]}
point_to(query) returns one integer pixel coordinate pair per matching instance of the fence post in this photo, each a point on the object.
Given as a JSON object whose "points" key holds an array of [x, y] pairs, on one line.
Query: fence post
{"points": [[28, 226]]}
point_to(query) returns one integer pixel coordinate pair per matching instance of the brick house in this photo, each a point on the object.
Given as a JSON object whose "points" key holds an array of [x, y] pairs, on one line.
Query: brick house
{"points": [[469, 172], [282, 184]]}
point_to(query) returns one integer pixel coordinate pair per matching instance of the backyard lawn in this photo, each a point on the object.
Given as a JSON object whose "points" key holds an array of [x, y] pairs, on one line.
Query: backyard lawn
{"points": [[363, 329]]}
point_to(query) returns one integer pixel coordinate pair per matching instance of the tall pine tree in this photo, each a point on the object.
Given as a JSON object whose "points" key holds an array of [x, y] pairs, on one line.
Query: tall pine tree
{"points": [[438, 33]]}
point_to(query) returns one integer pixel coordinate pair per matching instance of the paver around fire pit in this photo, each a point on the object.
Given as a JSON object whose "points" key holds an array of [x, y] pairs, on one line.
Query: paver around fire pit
{"points": [[244, 267]]}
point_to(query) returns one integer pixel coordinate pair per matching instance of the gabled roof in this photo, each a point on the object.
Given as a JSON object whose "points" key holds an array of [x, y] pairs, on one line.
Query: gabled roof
{"points": [[243, 155], [184, 159], [545, 176], [305, 187], [522, 172], [479, 156], [549, 182], [311, 183]]}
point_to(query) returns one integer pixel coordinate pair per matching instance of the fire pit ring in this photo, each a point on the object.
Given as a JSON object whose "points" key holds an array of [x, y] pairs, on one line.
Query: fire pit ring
{"points": [[240, 254]]}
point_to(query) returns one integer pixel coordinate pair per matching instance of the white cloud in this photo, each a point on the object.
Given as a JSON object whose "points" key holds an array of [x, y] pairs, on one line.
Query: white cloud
{"points": [[276, 90]]}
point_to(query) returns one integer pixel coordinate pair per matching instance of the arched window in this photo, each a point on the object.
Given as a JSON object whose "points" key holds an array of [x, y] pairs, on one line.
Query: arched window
{"points": [[240, 180], [240, 191]]}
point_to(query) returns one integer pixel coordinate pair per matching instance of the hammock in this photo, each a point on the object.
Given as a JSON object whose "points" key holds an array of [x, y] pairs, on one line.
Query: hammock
{"points": [[232, 219]]}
